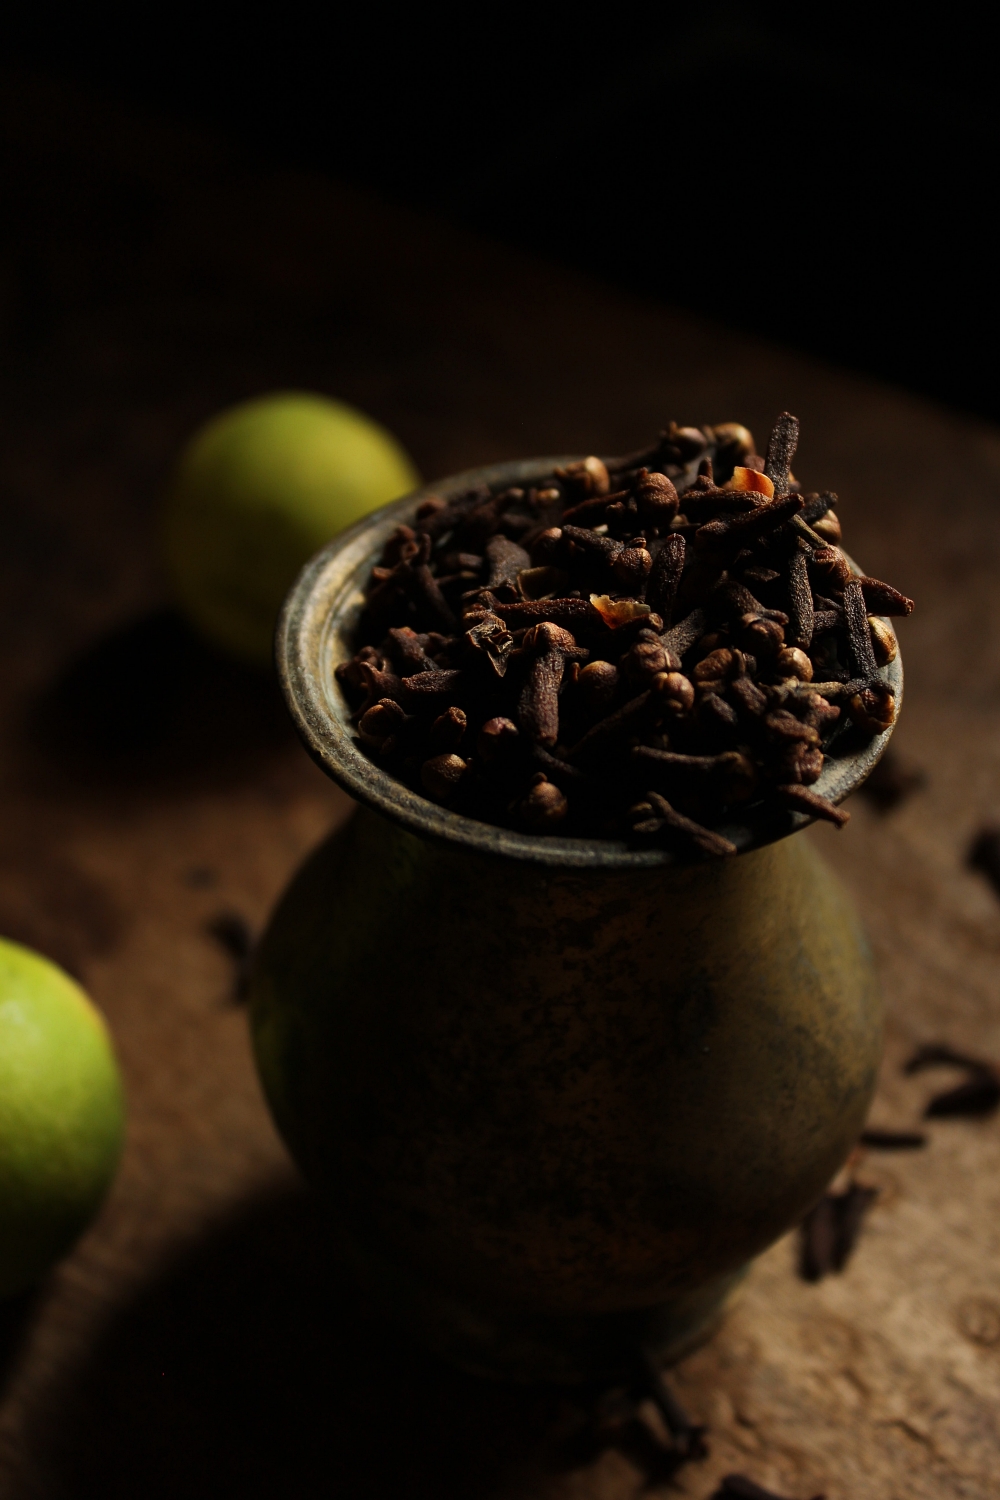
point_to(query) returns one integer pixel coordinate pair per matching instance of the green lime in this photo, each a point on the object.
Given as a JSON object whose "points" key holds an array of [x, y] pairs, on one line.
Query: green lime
{"points": [[258, 490], [61, 1114]]}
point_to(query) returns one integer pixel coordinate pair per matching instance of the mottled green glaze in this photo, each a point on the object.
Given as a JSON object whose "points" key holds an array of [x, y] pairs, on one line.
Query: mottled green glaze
{"points": [[558, 1092]]}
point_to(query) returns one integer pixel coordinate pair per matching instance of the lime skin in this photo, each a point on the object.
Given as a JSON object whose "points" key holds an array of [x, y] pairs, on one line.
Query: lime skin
{"points": [[258, 490], [61, 1115]]}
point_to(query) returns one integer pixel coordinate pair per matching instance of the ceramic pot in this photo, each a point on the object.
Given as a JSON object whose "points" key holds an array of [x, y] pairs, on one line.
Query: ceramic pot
{"points": [[558, 1092]]}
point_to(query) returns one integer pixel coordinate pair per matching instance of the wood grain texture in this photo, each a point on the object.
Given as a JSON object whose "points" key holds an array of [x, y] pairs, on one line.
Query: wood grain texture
{"points": [[200, 1341]]}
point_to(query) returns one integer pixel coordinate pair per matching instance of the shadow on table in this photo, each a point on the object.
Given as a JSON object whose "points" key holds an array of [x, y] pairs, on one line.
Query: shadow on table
{"points": [[16, 1314], [250, 1372], [153, 706]]}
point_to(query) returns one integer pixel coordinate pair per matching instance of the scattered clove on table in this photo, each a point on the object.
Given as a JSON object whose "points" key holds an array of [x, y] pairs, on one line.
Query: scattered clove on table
{"points": [[638, 649], [977, 1096], [232, 932], [642, 1418], [739, 1487], [687, 1437], [830, 1229], [892, 1140], [984, 854]]}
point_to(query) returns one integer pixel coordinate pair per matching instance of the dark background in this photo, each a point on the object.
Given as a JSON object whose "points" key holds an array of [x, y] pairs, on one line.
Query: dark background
{"points": [[821, 175], [832, 189]]}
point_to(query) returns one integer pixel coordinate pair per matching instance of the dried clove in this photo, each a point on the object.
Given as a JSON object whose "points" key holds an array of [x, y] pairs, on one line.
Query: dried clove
{"points": [[739, 1487], [984, 854], [408, 652], [441, 775], [656, 501], [682, 637], [627, 719], [881, 599], [638, 648], [736, 531], [617, 1418], [883, 641], [597, 684], [233, 933], [892, 1140], [497, 738], [380, 722], [665, 576], [800, 799], [424, 687], [781, 448], [791, 662], [447, 731], [873, 709], [858, 634], [544, 807], [506, 561], [687, 1437], [830, 1229], [570, 614], [425, 590], [490, 636], [800, 600], [978, 1096], [674, 691], [665, 819], [538, 709], [646, 659], [588, 477], [817, 507]]}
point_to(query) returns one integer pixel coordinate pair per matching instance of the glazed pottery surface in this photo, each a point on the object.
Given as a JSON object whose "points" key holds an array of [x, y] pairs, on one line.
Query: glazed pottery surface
{"points": [[557, 1092]]}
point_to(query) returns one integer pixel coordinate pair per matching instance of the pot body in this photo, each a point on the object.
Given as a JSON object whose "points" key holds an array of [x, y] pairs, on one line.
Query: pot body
{"points": [[557, 1110]]}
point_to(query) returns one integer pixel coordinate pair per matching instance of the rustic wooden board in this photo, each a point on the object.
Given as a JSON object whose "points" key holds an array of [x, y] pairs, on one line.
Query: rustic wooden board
{"points": [[199, 1342]]}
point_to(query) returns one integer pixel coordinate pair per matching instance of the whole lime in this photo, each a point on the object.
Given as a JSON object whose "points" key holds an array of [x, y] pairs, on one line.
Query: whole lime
{"points": [[61, 1114], [258, 490]]}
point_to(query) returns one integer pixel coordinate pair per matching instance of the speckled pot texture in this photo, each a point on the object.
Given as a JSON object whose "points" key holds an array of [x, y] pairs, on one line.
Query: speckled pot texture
{"points": [[557, 1092]]}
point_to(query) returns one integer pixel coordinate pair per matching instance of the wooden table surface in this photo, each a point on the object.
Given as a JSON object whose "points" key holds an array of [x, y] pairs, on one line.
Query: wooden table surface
{"points": [[197, 1342]]}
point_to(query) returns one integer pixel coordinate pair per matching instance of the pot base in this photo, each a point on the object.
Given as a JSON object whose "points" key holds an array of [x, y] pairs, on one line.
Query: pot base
{"points": [[511, 1344]]}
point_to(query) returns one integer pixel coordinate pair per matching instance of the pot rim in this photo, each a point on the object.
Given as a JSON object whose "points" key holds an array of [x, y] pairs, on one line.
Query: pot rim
{"points": [[319, 615]]}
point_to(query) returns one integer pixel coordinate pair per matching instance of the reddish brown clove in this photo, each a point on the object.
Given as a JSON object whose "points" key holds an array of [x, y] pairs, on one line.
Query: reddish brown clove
{"points": [[497, 738], [801, 799], [544, 807], [441, 775], [538, 709], [781, 447], [774, 639]]}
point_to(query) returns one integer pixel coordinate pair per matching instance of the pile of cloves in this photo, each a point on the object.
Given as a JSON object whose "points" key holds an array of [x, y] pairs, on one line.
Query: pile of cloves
{"points": [[633, 649]]}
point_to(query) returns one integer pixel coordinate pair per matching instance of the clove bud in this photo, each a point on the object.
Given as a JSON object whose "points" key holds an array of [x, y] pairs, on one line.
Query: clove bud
{"points": [[380, 721], [717, 664], [657, 501], [447, 730], [674, 691], [494, 644], [597, 685], [883, 641], [873, 709], [586, 478], [441, 774], [645, 659], [791, 662], [496, 740], [763, 636], [543, 807]]}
